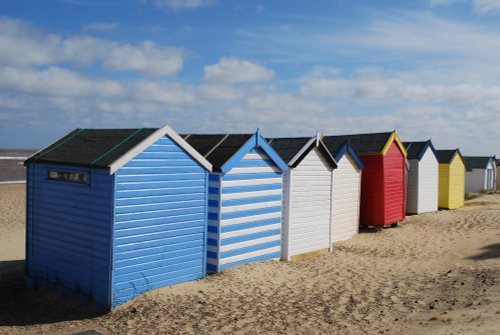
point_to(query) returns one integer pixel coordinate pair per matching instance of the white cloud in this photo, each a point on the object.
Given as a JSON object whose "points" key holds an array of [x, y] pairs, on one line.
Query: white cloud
{"points": [[484, 6], [101, 26], [231, 70], [183, 4], [148, 59], [23, 45]]}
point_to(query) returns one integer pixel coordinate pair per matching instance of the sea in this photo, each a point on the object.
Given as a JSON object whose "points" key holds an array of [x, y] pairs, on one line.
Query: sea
{"points": [[12, 169]]}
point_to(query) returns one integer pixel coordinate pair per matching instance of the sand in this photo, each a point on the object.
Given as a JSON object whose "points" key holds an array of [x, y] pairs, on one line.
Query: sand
{"points": [[437, 273]]}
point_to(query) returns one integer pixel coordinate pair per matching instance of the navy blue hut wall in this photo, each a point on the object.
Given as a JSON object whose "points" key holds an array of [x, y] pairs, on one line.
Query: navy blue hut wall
{"points": [[116, 234]]}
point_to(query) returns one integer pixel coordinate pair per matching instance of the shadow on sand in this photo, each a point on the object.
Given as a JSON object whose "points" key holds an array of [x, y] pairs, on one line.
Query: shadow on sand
{"points": [[21, 306], [491, 251]]}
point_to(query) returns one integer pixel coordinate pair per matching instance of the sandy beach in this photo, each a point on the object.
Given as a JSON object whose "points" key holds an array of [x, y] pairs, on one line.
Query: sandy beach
{"points": [[437, 273]]}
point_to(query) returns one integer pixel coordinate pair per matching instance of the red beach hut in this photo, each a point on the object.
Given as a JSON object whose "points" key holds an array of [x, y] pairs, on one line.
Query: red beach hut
{"points": [[383, 182]]}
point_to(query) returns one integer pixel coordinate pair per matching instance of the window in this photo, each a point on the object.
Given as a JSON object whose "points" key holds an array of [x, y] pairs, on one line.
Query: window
{"points": [[77, 177]]}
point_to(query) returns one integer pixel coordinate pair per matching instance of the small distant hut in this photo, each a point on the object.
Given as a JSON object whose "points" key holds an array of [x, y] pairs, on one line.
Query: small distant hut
{"points": [[423, 179], [451, 179], [245, 198], [383, 184], [113, 213], [480, 174], [307, 191]]}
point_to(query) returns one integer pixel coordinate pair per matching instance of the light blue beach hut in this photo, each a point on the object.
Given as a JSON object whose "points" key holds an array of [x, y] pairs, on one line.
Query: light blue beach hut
{"points": [[113, 213], [245, 198]]}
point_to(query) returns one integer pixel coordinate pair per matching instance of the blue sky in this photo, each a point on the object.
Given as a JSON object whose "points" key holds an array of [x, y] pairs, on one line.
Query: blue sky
{"points": [[428, 68]]}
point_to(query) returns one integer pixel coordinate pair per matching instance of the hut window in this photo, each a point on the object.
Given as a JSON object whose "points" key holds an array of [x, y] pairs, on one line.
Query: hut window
{"points": [[78, 177]]}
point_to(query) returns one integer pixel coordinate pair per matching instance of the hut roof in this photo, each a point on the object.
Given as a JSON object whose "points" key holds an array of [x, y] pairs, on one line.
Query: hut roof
{"points": [[293, 149], [103, 148], [446, 156], [374, 143], [476, 162], [416, 150], [218, 148]]}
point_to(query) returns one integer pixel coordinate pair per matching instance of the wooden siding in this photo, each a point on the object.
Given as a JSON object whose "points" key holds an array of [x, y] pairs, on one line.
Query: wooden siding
{"points": [[457, 183], [346, 199], [394, 185], [422, 192], [68, 231], [475, 180], [307, 214], [428, 183], [160, 221], [245, 213], [412, 192], [372, 195], [444, 188]]}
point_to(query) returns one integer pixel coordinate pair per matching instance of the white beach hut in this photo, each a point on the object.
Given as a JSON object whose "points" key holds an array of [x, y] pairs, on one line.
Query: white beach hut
{"points": [[480, 174], [307, 195], [346, 188], [423, 178]]}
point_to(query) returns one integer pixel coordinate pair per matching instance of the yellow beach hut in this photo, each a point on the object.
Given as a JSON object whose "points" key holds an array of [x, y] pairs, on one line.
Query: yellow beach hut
{"points": [[451, 179]]}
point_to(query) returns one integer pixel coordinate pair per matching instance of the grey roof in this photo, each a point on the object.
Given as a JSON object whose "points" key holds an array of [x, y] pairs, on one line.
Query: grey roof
{"points": [[362, 143], [445, 156], [217, 148], [91, 147], [287, 148], [414, 149], [476, 162]]}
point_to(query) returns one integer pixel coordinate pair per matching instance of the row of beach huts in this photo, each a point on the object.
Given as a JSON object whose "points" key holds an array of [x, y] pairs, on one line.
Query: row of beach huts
{"points": [[113, 213]]}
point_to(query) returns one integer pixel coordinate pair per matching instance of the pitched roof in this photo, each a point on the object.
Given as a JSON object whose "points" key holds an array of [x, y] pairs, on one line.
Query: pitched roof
{"points": [[362, 143], [416, 150], [446, 156], [289, 147], [475, 162], [217, 148], [338, 147], [104, 148]]}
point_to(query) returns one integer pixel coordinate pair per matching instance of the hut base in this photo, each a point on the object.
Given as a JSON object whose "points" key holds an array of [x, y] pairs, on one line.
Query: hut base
{"points": [[309, 255]]}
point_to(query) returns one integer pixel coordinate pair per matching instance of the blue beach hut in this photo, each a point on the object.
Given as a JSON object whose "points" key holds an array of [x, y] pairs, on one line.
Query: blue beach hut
{"points": [[113, 213], [245, 198]]}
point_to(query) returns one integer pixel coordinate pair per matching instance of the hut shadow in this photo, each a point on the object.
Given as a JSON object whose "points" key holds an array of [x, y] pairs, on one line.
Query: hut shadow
{"points": [[491, 251], [369, 230], [21, 306]]}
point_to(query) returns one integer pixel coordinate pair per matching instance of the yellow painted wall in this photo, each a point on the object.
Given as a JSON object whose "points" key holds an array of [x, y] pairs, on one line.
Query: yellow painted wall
{"points": [[444, 182], [457, 183], [452, 184]]}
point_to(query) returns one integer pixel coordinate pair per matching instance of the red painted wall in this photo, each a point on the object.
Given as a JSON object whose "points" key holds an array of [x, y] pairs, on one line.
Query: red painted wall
{"points": [[394, 185], [383, 188], [372, 202]]}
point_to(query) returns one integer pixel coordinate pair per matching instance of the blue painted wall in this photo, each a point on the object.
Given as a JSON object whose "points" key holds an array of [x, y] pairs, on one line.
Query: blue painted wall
{"points": [[245, 212], [159, 222], [69, 231]]}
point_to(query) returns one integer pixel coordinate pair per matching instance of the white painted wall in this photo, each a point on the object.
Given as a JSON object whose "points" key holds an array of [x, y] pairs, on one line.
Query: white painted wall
{"points": [[479, 180], [307, 192], [428, 181], [475, 180], [346, 199]]}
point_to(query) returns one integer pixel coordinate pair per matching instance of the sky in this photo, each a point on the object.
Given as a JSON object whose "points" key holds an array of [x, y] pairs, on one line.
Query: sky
{"points": [[428, 68]]}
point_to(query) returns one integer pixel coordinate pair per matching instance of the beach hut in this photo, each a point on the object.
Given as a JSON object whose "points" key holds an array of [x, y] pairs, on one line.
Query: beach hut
{"points": [[383, 178], [112, 213], [480, 174], [451, 190], [346, 189], [245, 198], [422, 189], [307, 193], [497, 175]]}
